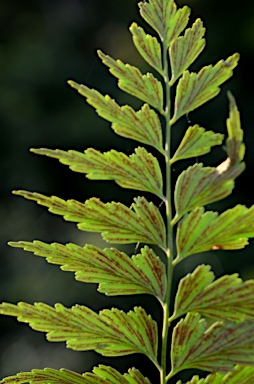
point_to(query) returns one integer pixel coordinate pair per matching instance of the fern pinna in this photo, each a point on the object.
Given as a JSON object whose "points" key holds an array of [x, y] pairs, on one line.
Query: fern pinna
{"points": [[213, 318]]}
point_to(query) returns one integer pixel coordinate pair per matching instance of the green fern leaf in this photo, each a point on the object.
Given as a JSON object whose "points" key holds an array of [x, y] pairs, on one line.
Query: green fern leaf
{"points": [[145, 87], [46, 375], [114, 271], [157, 14], [148, 47], [143, 126], [214, 378], [216, 349], [195, 89], [240, 374], [185, 49], [200, 232], [118, 223], [110, 333], [139, 171], [196, 142], [227, 298], [234, 145], [198, 186], [101, 375], [111, 375]]}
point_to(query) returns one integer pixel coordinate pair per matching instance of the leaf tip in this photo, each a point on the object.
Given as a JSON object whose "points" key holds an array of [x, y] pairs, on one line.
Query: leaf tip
{"points": [[231, 99], [12, 244], [37, 151], [133, 25], [73, 84], [100, 53], [17, 192]]}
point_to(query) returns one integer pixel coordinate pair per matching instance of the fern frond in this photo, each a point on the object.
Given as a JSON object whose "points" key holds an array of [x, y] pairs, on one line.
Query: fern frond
{"points": [[228, 302], [101, 375], [143, 126], [185, 49], [117, 223], [196, 142], [195, 89], [139, 171], [201, 231], [148, 47], [157, 14], [240, 374], [110, 333], [114, 271], [235, 147], [216, 348], [198, 186], [47, 375], [227, 298], [145, 87]]}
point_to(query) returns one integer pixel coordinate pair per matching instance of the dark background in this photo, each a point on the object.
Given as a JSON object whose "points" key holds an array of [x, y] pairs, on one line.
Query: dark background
{"points": [[43, 43]]}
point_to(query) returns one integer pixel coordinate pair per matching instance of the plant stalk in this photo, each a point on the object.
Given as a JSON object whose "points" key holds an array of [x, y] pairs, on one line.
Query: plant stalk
{"points": [[169, 251]]}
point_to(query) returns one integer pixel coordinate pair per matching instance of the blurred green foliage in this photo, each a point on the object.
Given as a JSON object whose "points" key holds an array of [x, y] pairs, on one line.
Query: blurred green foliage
{"points": [[43, 43]]}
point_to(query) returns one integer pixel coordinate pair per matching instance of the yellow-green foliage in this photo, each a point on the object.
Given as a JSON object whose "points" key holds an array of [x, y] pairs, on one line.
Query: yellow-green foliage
{"points": [[223, 346]]}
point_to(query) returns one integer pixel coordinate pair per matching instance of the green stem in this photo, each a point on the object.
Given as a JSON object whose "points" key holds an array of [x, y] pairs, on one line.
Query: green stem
{"points": [[169, 251]]}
